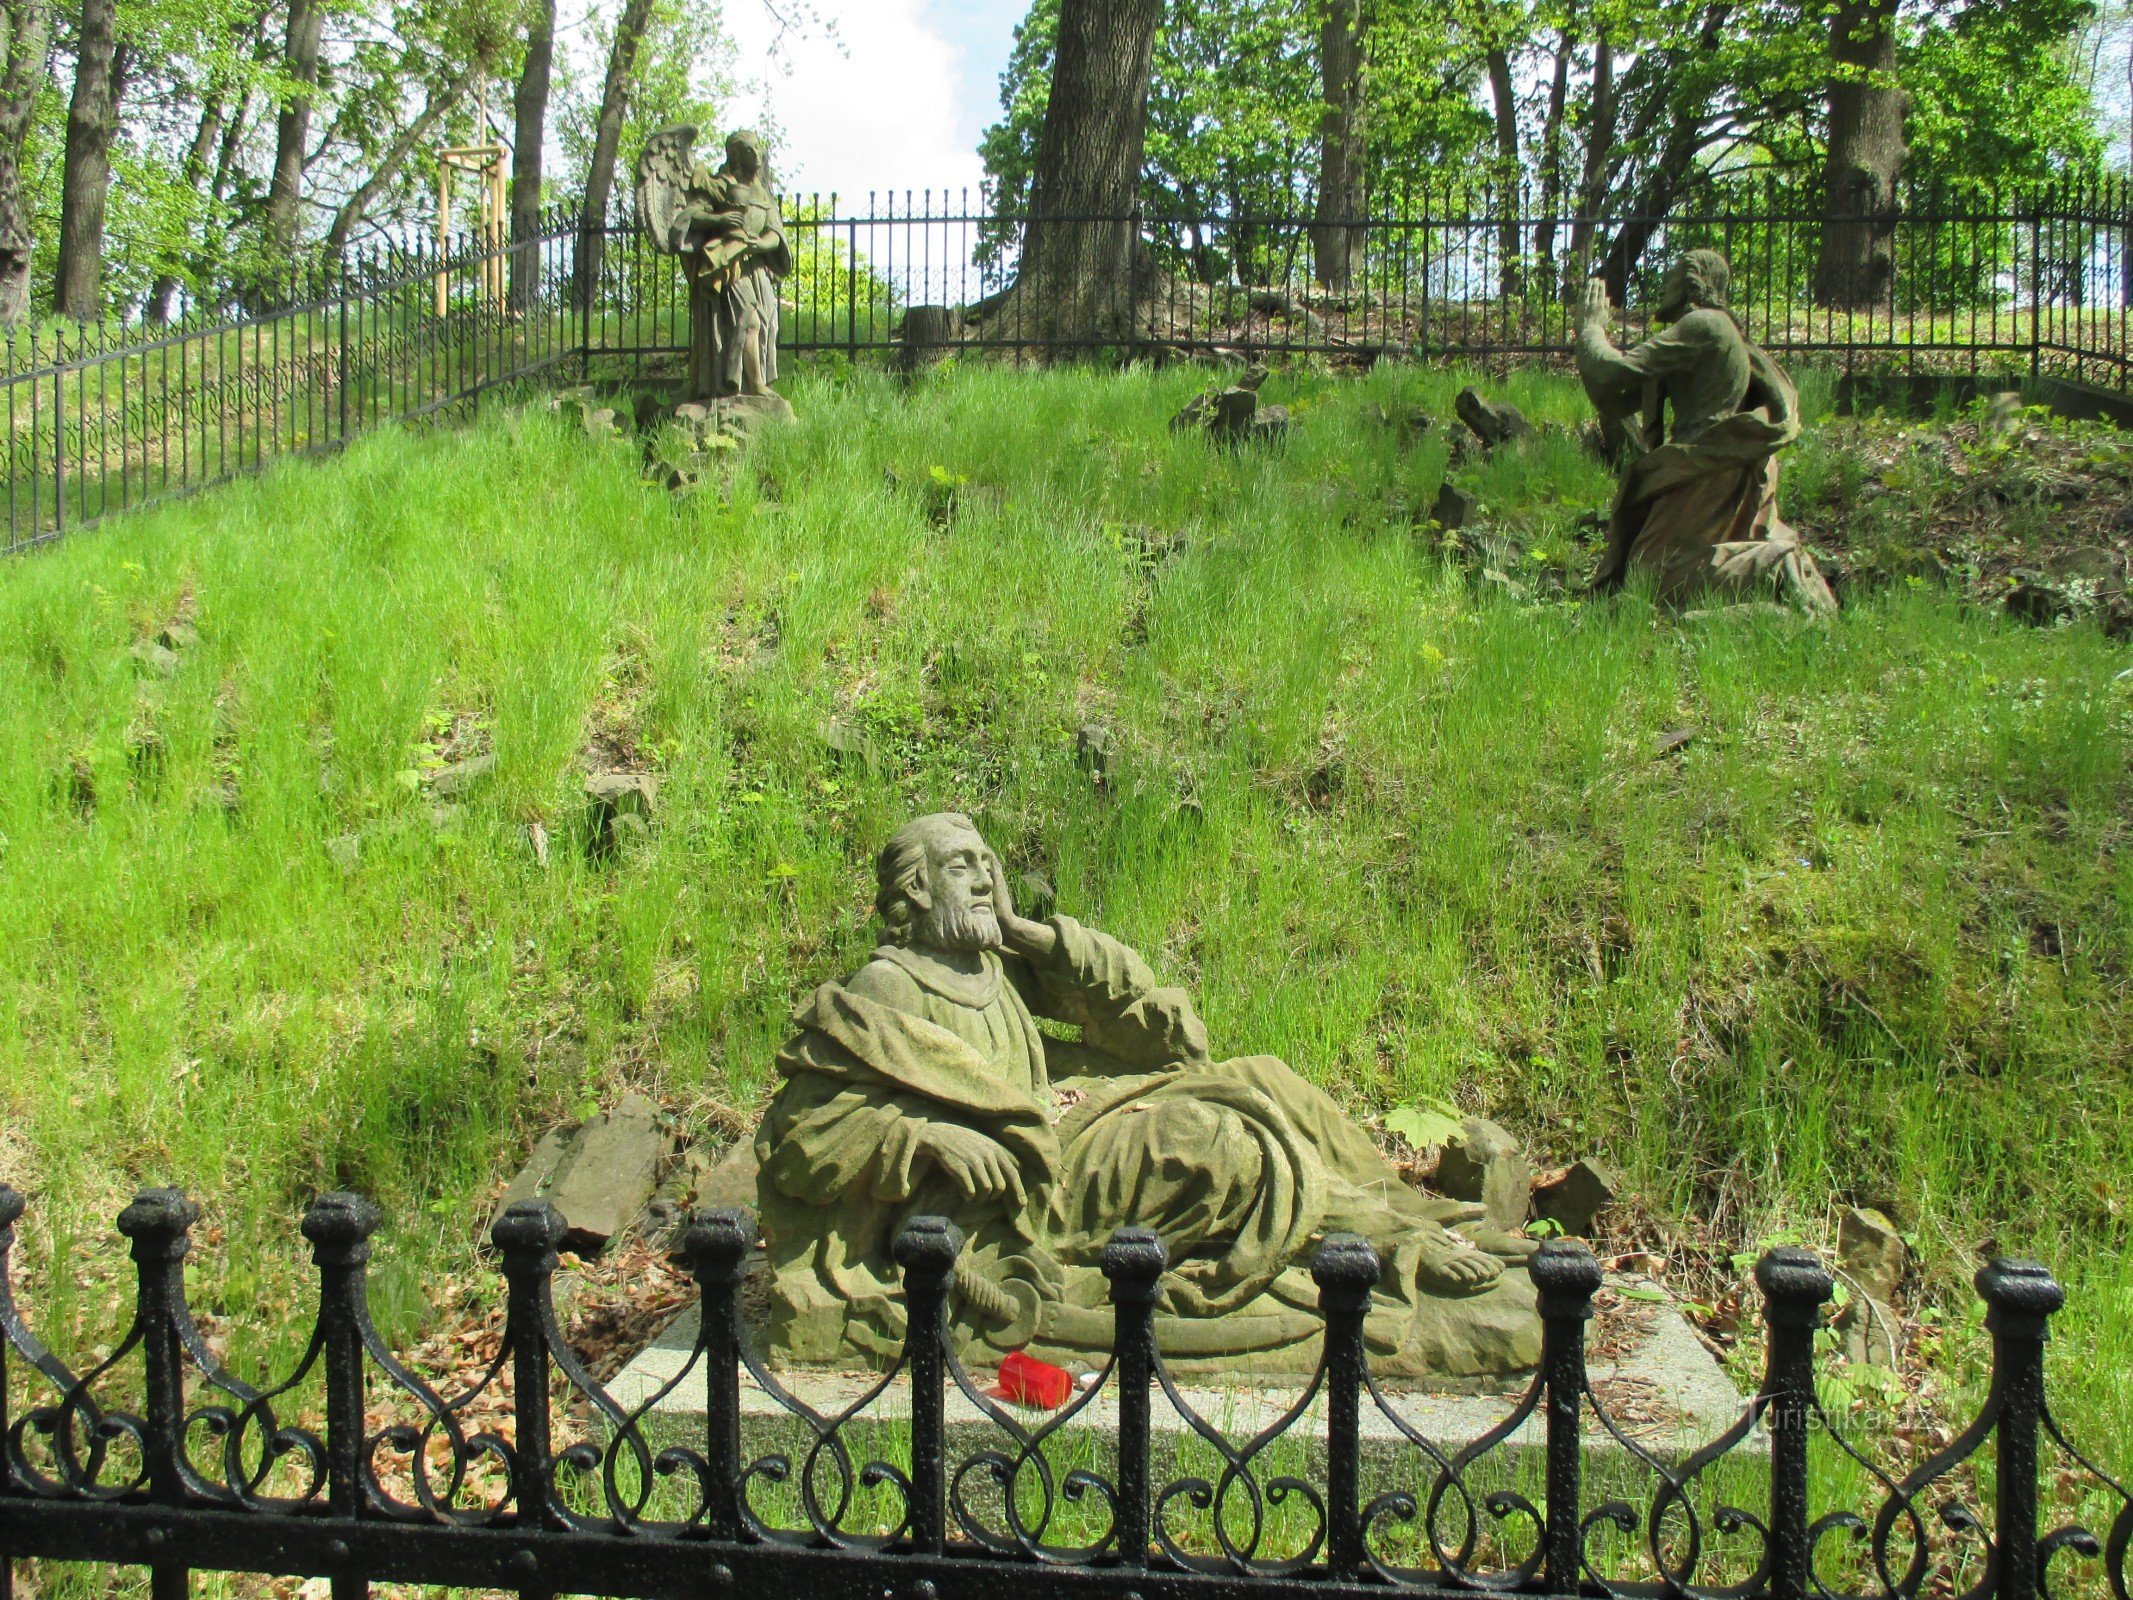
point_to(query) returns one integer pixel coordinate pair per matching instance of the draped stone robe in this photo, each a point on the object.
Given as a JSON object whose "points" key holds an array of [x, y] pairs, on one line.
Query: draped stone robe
{"points": [[1241, 1166], [1697, 512], [733, 288]]}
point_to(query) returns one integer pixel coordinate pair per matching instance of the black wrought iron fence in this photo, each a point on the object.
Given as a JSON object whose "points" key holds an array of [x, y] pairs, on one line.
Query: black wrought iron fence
{"points": [[1974, 282], [535, 1479]]}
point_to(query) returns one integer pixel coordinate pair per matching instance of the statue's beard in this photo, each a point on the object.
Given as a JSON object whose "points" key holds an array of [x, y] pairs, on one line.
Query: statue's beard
{"points": [[965, 927]]}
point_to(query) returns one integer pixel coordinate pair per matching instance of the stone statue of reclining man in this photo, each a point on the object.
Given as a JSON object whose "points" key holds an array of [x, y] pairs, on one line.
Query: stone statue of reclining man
{"points": [[923, 1085]]}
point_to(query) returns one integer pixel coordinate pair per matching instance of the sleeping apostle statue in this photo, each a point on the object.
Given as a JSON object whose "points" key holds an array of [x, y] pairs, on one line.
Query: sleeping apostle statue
{"points": [[923, 1085]]}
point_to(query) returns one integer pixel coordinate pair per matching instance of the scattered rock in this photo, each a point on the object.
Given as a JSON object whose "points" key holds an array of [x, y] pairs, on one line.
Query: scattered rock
{"points": [[2084, 564], [1092, 750], [2037, 603], [1233, 415], [1872, 1256], [178, 634], [618, 805], [927, 334], [346, 850], [2003, 415], [1871, 1251], [1573, 1200], [455, 781], [729, 1180], [1454, 508], [648, 412], [1483, 1162], [538, 1175], [2118, 620], [537, 838], [843, 741], [608, 1173], [1493, 422], [1673, 742], [155, 659], [1408, 422]]}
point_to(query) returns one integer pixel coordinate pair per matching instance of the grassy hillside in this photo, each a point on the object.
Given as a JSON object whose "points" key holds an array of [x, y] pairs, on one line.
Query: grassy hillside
{"points": [[1864, 936]]}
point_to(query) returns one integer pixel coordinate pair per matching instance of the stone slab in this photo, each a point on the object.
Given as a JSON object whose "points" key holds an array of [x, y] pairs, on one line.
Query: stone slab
{"points": [[609, 1173], [1668, 1392]]}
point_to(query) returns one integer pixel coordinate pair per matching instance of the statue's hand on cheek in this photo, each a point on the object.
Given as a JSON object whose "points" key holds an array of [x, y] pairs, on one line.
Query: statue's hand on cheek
{"points": [[980, 1166], [1032, 940]]}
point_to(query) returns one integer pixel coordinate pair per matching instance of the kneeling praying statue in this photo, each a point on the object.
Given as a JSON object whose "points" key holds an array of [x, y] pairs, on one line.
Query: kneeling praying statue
{"points": [[922, 1085]]}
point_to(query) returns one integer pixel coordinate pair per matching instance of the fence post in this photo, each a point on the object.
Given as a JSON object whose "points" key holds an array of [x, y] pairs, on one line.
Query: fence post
{"points": [[343, 356], [2036, 286], [526, 1236], [926, 1250], [59, 434], [1134, 1261], [1795, 1287], [717, 1244], [1346, 1270], [10, 1213], [2020, 1297], [159, 1222], [339, 1227], [1567, 1277]]}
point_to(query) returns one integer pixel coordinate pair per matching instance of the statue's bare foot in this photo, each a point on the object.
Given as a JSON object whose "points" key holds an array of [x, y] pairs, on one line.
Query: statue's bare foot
{"points": [[1496, 1241], [1449, 1266]]}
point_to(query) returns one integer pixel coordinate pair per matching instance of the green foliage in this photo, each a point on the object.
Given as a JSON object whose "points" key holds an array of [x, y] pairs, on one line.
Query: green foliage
{"points": [[1409, 838]]}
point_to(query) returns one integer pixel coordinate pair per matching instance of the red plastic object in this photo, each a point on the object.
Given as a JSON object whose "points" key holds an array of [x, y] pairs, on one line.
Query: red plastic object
{"points": [[1030, 1382]]}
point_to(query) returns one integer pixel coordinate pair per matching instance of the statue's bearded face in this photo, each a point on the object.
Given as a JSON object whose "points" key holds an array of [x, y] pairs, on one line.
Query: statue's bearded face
{"points": [[962, 894]]}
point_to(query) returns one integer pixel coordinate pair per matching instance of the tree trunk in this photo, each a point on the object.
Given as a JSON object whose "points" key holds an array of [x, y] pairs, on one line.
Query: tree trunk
{"points": [[607, 140], [1336, 246], [1866, 152], [358, 204], [292, 129], [1077, 284], [1505, 94], [1552, 155], [1601, 125], [1685, 139], [86, 179], [529, 130], [193, 174], [28, 30]]}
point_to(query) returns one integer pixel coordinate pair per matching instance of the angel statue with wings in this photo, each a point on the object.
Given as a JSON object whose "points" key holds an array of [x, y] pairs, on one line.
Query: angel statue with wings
{"points": [[730, 235]]}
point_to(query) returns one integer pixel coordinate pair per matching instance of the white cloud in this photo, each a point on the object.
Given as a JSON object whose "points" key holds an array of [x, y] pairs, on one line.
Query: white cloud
{"points": [[895, 103]]}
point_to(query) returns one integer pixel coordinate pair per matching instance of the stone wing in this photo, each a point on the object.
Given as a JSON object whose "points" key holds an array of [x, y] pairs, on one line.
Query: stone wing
{"points": [[663, 169]]}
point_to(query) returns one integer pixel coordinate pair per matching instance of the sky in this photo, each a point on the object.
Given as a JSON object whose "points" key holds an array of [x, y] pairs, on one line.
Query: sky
{"points": [[899, 97]]}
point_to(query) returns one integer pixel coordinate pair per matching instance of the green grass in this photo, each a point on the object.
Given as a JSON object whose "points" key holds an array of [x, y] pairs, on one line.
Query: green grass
{"points": [[1865, 938]]}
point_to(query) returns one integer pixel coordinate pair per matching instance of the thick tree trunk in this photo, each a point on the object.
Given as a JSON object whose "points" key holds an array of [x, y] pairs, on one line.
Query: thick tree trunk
{"points": [[1602, 120], [85, 182], [1504, 92], [529, 132], [607, 141], [194, 175], [1552, 156], [1336, 245], [358, 204], [1866, 152], [292, 129], [28, 30], [1077, 284]]}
